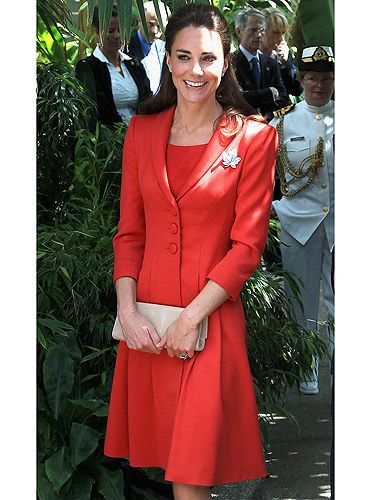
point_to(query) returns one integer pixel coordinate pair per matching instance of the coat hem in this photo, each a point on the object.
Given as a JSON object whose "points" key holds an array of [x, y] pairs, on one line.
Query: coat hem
{"points": [[196, 482]]}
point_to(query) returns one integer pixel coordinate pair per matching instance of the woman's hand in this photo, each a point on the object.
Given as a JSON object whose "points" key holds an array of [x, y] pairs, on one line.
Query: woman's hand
{"points": [[282, 52], [138, 332], [180, 338]]}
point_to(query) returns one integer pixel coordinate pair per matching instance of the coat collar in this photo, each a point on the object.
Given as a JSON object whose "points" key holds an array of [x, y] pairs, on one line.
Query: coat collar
{"points": [[160, 136]]}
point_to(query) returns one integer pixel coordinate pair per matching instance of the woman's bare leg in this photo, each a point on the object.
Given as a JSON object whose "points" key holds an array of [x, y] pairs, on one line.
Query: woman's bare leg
{"points": [[190, 492]]}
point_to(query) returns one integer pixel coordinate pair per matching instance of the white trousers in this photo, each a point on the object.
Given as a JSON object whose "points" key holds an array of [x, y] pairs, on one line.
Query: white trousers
{"points": [[312, 264]]}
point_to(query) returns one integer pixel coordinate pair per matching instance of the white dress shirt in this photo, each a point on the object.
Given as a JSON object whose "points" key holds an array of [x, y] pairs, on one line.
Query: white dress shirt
{"points": [[249, 56]]}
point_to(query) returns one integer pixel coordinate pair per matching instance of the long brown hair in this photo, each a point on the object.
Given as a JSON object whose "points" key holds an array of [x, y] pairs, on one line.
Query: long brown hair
{"points": [[228, 94]]}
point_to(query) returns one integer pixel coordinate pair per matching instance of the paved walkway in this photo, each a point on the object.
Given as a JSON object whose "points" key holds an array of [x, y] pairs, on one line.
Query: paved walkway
{"points": [[299, 461]]}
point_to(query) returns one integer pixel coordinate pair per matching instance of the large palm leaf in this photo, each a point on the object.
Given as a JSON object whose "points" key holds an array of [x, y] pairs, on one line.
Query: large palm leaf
{"points": [[54, 13]]}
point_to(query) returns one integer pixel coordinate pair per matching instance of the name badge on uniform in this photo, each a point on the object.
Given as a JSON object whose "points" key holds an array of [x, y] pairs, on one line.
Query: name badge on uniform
{"points": [[299, 138]]}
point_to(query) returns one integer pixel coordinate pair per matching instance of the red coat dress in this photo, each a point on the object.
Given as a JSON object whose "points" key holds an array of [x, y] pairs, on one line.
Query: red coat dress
{"points": [[197, 419]]}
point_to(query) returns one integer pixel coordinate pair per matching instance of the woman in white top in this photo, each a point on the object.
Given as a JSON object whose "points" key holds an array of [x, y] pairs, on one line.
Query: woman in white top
{"points": [[116, 82]]}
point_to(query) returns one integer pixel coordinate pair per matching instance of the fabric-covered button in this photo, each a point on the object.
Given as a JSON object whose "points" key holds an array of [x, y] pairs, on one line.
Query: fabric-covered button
{"points": [[172, 248], [173, 228]]}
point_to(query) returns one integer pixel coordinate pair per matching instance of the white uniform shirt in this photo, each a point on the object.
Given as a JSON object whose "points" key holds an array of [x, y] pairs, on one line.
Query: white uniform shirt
{"points": [[301, 214], [124, 90]]}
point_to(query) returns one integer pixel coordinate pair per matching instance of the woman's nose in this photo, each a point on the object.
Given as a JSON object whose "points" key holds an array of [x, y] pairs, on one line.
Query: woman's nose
{"points": [[197, 68]]}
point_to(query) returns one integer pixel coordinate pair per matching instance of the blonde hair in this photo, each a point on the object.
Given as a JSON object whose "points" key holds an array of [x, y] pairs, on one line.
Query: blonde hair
{"points": [[275, 19]]}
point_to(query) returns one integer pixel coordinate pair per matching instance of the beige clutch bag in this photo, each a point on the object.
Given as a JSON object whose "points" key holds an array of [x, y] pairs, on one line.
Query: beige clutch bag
{"points": [[162, 317]]}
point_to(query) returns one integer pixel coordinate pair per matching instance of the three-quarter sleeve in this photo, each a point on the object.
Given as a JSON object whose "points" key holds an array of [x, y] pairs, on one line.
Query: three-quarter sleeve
{"points": [[129, 242], [252, 209]]}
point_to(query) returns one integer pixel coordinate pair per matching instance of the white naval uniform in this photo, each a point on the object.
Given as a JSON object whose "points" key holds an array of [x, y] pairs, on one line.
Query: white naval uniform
{"points": [[307, 219]]}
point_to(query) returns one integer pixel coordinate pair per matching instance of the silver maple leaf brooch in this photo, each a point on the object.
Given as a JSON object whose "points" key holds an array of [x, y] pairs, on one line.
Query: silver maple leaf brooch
{"points": [[230, 158]]}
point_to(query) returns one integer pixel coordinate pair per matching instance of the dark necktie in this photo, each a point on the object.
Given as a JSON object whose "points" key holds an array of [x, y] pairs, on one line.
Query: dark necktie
{"points": [[255, 69]]}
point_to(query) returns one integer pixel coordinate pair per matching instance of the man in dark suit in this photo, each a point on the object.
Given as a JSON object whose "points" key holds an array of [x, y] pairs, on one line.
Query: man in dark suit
{"points": [[258, 74]]}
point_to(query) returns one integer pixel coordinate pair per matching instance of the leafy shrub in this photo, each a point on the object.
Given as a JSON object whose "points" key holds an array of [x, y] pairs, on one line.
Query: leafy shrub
{"points": [[76, 305], [63, 108]]}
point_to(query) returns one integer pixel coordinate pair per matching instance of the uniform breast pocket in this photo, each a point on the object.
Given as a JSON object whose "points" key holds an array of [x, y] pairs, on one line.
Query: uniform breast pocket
{"points": [[296, 150], [297, 145]]}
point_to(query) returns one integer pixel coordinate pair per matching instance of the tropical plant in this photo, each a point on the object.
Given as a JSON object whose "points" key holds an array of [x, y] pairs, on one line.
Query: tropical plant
{"points": [[313, 24], [76, 305], [63, 107], [57, 37]]}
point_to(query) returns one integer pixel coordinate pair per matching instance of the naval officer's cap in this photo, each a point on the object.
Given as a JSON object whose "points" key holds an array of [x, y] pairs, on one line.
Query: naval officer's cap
{"points": [[317, 59]]}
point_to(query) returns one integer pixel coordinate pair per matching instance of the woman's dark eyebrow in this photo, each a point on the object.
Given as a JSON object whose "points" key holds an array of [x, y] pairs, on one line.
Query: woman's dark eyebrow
{"points": [[188, 51]]}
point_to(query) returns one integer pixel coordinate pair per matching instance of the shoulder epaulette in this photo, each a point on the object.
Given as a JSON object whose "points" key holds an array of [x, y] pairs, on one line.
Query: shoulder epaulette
{"points": [[283, 111]]}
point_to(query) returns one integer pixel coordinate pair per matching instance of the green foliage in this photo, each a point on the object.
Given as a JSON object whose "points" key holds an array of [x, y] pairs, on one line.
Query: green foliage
{"points": [[76, 306], [63, 108], [53, 13], [57, 39], [314, 22]]}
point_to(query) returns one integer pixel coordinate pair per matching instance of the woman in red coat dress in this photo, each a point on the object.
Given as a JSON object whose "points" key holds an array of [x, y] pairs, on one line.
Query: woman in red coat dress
{"points": [[195, 200]]}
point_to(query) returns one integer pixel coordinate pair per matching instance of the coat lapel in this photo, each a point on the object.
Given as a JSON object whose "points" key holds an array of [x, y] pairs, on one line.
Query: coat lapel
{"points": [[159, 140], [212, 153], [160, 137]]}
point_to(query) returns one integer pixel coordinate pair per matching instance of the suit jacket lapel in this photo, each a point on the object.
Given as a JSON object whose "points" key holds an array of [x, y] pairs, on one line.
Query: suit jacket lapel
{"points": [[246, 71], [264, 72]]}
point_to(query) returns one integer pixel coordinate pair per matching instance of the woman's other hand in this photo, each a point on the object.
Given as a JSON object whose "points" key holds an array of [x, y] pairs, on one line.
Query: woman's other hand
{"points": [[180, 338]]}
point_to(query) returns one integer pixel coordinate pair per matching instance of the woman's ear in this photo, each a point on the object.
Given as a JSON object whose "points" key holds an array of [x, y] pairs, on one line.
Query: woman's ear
{"points": [[168, 60], [225, 66]]}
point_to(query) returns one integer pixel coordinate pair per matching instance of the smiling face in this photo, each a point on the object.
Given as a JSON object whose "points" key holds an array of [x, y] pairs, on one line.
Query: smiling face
{"points": [[318, 87], [197, 63]]}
